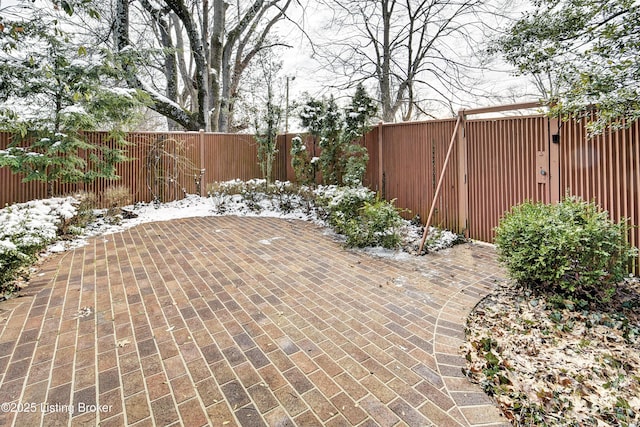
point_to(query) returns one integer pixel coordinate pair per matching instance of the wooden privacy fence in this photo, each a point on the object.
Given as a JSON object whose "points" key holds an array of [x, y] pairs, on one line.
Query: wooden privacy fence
{"points": [[502, 162], [495, 164], [163, 166]]}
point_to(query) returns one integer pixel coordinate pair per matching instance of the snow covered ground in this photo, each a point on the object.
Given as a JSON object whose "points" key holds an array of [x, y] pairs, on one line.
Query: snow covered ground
{"points": [[41, 215]]}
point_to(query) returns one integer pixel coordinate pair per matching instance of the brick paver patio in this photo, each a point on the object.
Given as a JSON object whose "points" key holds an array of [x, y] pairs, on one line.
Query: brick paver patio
{"points": [[242, 321]]}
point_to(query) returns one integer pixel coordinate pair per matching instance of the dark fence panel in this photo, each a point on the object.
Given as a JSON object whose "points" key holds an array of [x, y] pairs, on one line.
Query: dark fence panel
{"points": [[502, 169], [605, 169]]}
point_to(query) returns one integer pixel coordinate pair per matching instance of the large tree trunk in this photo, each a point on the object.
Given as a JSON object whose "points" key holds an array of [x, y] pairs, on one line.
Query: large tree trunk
{"points": [[238, 39], [199, 57], [189, 94], [388, 115], [216, 61], [160, 103], [161, 17], [217, 55]]}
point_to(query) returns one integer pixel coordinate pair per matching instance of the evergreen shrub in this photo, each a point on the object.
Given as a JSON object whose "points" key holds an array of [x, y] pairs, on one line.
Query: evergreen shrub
{"points": [[364, 219], [572, 249]]}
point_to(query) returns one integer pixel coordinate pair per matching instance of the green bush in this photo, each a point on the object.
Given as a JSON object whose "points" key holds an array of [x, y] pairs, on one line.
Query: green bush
{"points": [[376, 226], [343, 204], [361, 217], [12, 261], [571, 248]]}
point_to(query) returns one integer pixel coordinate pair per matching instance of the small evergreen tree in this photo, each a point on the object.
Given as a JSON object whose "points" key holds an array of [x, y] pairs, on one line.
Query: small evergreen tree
{"points": [[52, 91], [343, 159], [357, 117], [266, 136], [312, 115], [301, 163], [331, 144], [358, 114]]}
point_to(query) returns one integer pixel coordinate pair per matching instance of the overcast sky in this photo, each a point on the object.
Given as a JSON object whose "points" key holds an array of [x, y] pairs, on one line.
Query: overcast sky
{"points": [[498, 80]]}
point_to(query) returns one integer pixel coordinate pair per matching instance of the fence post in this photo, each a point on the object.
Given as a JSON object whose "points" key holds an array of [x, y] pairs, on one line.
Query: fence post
{"points": [[287, 158], [463, 186], [380, 171], [202, 169], [554, 160]]}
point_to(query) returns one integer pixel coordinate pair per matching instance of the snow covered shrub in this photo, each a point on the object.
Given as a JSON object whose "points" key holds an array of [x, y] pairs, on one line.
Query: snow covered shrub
{"points": [[360, 216], [11, 261], [252, 198], [87, 202], [376, 225], [27, 228], [341, 204], [285, 196], [227, 193], [571, 248], [228, 188], [256, 196], [301, 162], [439, 238]]}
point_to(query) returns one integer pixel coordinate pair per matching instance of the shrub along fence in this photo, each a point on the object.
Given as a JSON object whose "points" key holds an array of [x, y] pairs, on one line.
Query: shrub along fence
{"points": [[502, 162], [495, 164]]}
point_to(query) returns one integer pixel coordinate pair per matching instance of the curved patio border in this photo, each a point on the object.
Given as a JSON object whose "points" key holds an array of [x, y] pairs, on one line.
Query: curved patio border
{"points": [[243, 321]]}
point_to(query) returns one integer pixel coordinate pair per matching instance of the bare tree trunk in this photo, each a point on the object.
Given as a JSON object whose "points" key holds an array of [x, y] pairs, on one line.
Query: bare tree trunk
{"points": [[215, 55], [160, 103], [170, 67], [235, 69], [216, 60], [121, 26], [226, 70], [199, 57], [189, 93], [388, 115]]}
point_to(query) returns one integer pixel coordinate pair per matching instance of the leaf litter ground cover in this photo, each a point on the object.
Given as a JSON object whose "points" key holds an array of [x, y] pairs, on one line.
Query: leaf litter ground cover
{"points": [[547, 361]]}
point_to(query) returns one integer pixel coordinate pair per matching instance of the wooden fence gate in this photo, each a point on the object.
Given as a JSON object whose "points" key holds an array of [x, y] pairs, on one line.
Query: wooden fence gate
{"points": [[507, 161]]}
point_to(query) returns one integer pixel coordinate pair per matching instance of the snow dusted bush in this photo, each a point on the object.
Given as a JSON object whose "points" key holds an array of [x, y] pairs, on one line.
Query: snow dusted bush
{"points": [[376, 225], [363, 218], [116, 198], [302, 164], [27, 228], [256, 196], [343, 203]]}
